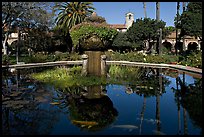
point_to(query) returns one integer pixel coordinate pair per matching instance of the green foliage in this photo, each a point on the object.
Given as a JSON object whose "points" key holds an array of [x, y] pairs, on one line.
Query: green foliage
{"points": [[191, 20], [145, 29], [130, 56], [81, 32], [121, 42], [194, 59], [40, 58], [161, 59], [96, 19], [5, 59], [137, 79], [68, 77], [72, 13], [125, 73], [139, 57], [168, 30]]}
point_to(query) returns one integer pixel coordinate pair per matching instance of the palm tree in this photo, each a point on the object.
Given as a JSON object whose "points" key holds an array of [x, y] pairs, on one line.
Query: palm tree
{"points": [[159, 40], [177, 15], [157, 11], [184, 8], [145, 11], [72, 13]]}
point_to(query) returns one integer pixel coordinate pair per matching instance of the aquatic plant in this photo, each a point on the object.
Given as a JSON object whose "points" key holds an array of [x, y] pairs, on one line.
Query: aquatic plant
{"points": [[67, 77]]}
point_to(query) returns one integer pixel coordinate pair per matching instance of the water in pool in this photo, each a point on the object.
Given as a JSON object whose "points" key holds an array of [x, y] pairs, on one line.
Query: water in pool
{"points": [[166, 104]]}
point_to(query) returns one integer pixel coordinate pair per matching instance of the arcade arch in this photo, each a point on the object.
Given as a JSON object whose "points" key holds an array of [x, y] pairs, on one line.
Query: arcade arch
{"points": [[192, 46]]}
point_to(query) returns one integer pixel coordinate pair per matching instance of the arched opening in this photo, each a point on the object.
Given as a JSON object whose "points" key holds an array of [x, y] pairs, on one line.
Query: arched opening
{"points": [[12, 47], [129, 17], [192, 46], [167, 47]]}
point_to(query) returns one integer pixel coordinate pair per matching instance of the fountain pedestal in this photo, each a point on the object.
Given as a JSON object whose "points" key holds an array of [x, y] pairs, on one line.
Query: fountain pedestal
{"points": [[94, 63]]}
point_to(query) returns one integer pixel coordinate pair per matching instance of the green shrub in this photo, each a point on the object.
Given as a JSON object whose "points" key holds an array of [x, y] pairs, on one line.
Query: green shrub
{"points": [[5, 59], [74, 56], [79, 34], [194, 59], [139, 57]]}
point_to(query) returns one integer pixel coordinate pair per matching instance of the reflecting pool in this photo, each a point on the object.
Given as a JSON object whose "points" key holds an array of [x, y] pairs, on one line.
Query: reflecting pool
{"points": [[162, 102]]}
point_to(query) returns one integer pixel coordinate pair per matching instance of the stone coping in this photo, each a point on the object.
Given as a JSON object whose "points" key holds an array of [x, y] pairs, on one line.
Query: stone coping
{"points": [[128, 63], [172, 66], [31, 65]]}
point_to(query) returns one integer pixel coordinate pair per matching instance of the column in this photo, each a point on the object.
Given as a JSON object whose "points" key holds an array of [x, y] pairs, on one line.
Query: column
{"points": [[103, 65], [84, 64]]}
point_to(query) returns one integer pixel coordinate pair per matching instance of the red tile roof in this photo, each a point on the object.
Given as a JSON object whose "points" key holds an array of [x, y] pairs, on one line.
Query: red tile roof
{"points": [[173, 36], [118, 26]]}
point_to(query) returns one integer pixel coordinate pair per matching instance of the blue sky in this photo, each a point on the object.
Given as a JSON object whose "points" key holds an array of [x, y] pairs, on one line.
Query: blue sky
{"points": [[114, 12]]}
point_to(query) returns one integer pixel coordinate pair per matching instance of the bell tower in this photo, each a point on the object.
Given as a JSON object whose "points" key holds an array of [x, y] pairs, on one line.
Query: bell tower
{"points": [[129, 18]]}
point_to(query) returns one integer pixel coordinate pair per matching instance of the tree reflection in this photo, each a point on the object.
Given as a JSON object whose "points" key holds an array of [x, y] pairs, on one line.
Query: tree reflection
{"points": [[190, 98], [151, 83], [26, 111], [91, 109]]}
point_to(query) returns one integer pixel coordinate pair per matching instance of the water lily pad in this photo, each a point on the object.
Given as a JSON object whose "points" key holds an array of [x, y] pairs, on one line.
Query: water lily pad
{"points": [[41, 99], [18, 106], [5, 98], [14, 94], [54, 103]]}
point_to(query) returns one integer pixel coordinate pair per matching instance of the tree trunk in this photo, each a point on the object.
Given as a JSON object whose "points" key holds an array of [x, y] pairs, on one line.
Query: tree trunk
{"points": [[157, 11], [159, 71], [184, 8], [4, 43], [184, 47], [142, 114], [177, 14], [145, 12], [157, 19], [17, 45]]}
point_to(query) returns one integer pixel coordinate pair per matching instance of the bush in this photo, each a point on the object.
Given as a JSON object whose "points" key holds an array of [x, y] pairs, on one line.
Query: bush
{"points": [[121, 42], [79, 34], [139, 57], [193, 59], [5, 59]]}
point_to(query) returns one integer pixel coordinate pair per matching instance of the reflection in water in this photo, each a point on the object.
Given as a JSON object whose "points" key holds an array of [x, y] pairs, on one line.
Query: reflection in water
{"points": [[142, 114], [92, 110], [22, 110], [29, 107], [159, 92], [190, 98]]}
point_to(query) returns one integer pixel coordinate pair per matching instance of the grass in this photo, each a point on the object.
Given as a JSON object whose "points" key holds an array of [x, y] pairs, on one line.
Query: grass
{"points": [[68, 77]]}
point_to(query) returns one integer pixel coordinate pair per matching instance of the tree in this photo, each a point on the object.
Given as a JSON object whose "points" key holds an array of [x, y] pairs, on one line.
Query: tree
{"points": [[71, 14], [159, 39], [95, 18], [191, 20], [148, 30], [121, 42], [23, 15], [168, 30], [92, 36]]}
